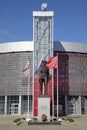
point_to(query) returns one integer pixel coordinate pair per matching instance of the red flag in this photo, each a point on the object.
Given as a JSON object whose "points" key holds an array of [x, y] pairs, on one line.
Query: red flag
{"points": [[52, 62]]}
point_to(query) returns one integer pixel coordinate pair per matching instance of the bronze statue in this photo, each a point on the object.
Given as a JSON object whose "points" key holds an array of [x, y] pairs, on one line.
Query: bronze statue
{"points": [[44, 78]]}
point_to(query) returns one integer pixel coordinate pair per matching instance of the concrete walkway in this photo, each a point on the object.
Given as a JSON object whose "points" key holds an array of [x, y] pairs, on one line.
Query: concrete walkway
{"points": [[6, 123]]}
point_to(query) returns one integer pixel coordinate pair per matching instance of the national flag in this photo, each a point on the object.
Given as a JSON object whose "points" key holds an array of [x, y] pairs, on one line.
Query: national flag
{"points": [[52, 62], [26, 68], [38, 66]]}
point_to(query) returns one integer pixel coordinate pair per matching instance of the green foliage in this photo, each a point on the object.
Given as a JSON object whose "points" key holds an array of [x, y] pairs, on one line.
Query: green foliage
{"points": [[23, 118], [64, 118], [35, 119], [70, 120], [17, 120]]}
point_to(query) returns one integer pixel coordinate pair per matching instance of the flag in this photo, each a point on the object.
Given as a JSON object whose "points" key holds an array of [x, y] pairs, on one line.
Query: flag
{"points": [[26, 68], [52, 62], [38, 66]]}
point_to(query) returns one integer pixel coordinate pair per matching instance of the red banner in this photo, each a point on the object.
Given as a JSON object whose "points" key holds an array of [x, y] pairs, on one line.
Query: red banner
{"points": [[52, 62]]}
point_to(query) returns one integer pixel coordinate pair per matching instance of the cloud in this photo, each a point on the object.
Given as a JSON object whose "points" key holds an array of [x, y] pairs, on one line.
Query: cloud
{"points": [[6, 33]]}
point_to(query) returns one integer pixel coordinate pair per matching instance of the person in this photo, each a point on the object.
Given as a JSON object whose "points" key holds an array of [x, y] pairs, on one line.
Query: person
{"points": [[43, 78]]}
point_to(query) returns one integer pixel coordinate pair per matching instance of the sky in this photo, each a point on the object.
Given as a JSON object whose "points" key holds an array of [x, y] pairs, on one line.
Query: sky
{"points": [[70, 19]]}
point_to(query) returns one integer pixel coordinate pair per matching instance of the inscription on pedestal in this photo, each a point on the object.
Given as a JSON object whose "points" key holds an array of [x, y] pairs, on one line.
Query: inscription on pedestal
{"points": [[44, 107]]}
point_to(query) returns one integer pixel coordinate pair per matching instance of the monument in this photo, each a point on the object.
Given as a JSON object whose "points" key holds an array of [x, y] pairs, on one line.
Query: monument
{"points": [[43, 47], [44, 78], [44, 99]]}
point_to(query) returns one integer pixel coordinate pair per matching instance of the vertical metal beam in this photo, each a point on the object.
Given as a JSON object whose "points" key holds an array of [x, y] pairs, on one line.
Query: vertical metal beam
{"points": [[5, 107]]}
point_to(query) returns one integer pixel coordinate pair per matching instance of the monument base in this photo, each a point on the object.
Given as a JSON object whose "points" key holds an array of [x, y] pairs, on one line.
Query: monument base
{"points": [[43, 107]]}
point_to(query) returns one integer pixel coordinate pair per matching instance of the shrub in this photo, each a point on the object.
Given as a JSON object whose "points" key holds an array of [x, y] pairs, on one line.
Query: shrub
{"points": [[23, 118], [35, 119], [16, 120], [70, 120]]}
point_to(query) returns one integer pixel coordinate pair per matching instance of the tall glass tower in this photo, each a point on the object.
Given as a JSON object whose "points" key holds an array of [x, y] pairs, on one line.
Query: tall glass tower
{"points": [[42, 35], [43, 47]]}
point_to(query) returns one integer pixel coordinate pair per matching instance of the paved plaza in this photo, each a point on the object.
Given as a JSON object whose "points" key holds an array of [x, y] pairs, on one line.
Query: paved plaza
{"points": [[6, 123]]}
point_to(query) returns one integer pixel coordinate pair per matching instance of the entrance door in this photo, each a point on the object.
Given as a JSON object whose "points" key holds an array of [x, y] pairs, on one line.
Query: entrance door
{"points": [[72, 108], [14, 108]]}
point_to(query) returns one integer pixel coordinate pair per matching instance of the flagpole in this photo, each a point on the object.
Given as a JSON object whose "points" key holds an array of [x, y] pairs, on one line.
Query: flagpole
{"points": [[52, 63], [28, 94], [26, 71], [53, 92], [57, 90]]}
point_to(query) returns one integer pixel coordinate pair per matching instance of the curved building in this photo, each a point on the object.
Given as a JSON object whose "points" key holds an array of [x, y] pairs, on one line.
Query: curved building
{"points": [[72, 78]]}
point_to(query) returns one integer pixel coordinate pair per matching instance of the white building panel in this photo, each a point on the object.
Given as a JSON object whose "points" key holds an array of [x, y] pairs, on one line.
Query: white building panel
{"points": [[16, 46], [70, 46], [29, 46], [43, 13]]}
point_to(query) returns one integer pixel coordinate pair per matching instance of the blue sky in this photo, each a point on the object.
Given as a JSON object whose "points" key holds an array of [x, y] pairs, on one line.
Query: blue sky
{"points": [[70, 19]]}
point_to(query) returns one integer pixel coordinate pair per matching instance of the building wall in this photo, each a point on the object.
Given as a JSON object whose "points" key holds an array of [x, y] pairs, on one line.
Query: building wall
{"points": [[12, 80], [77, 74], [72, 83], [72, 73]]}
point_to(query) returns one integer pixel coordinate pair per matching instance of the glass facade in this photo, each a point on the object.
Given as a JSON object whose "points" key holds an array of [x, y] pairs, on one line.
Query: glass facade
{"points": [[2, 104], [43, 48], [25, 104], [43, 37], [13, 104]]}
